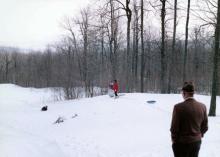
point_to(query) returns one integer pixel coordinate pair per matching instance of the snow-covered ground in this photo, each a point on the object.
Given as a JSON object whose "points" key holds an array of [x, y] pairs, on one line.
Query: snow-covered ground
{"points": [[104, 127]]}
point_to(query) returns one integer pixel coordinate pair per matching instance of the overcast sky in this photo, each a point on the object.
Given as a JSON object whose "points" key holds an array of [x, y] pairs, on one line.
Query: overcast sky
{"points": [[34, 23]]}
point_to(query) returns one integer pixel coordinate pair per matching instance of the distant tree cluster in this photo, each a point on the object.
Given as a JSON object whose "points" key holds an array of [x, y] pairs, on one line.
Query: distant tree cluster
{"points": [[137, 42], [62, 66]]}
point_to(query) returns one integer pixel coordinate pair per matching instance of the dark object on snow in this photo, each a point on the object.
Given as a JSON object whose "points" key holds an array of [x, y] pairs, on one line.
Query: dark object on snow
{"points": [[151, 101], [59, 120], [44, 108], [75, 116]]}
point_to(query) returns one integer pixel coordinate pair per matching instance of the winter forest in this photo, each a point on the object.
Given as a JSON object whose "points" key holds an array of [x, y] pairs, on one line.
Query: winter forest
{"points": [[147, 45]]}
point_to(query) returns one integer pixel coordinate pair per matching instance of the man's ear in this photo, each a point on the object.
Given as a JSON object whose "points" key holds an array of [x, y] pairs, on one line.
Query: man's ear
{"points": [[183, 93]]}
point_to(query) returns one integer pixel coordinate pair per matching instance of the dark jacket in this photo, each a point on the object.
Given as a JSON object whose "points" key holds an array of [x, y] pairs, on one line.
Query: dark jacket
{"points": [[189, 121]]}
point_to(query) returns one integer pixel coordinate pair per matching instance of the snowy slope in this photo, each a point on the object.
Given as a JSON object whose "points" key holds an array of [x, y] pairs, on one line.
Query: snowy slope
{"points": [[103, 127]]}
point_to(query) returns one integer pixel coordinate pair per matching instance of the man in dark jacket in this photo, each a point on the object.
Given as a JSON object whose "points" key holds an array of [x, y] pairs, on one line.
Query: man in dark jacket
{"points": [[189, 124]]}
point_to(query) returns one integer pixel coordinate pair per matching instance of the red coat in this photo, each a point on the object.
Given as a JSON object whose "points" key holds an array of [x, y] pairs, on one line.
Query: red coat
{"points": [[115, 87]]}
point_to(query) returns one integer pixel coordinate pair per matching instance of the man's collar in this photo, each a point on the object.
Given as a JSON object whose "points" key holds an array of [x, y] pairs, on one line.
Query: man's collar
{"points": [[189, 98]]}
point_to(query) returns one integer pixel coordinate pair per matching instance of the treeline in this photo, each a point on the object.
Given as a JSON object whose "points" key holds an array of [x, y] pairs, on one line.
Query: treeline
{"points": [[63, 67], [118, 40]]}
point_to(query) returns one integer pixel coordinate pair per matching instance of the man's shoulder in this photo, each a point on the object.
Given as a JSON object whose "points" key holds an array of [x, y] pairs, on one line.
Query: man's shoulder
{"points": [[200, 104], [182, 104], [179, 105]]}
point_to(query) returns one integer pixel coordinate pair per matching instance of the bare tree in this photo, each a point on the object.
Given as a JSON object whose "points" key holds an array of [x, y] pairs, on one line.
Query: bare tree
{"points": [[163, 62], [142, 47], [186, 41], [173, 53], [135, 44], [112, 33], [128, 13], [212, 110], [102, 36], [7, 65], [15, 63], [84, 24]]}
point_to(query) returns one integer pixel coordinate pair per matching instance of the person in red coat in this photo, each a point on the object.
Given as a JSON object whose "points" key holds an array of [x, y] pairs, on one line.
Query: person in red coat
{"points": [[115, 87]]}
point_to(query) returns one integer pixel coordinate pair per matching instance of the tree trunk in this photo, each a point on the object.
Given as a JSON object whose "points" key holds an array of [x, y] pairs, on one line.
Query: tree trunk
{"points": [[135, 45], [128, 76], [142, 48], [136, 51], [212, 110], [186, 42], [170, 79], [163, 62], [113, 43]]}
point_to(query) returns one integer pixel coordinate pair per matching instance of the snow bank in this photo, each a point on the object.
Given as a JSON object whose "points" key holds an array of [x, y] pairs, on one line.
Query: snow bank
{"points": [[104, 127], [14, 143]]}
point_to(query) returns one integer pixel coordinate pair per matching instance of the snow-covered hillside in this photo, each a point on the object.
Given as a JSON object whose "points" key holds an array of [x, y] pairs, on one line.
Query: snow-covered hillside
{"points": [[92, 127]]}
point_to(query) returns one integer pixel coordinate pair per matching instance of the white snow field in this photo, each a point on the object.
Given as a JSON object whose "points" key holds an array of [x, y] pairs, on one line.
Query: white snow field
{"points": [[93, 127]]}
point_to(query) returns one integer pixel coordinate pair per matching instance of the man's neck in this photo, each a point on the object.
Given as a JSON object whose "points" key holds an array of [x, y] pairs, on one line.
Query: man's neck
{"points": [[190, 97]]}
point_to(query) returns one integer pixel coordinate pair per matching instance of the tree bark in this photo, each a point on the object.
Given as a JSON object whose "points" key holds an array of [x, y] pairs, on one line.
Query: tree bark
{"points": [[173, 53], [186, 42], [142, 48], [212, 110], [135, 45], [128, 76], [163, 63]]}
